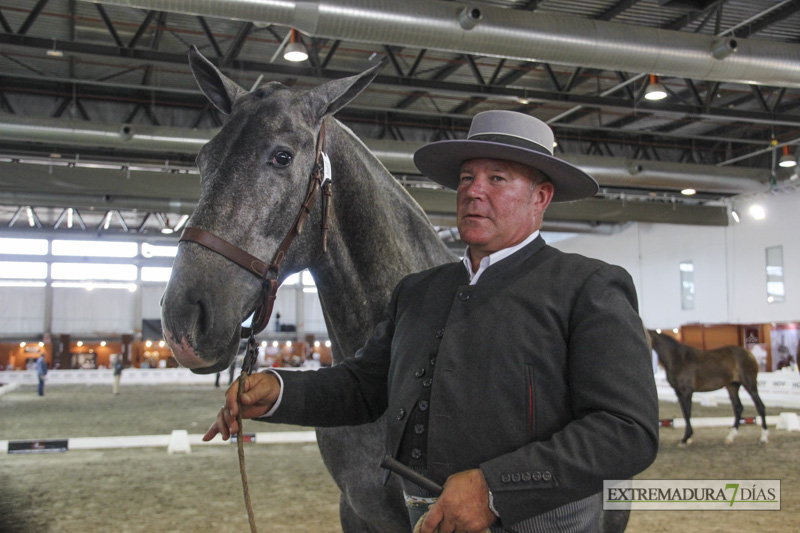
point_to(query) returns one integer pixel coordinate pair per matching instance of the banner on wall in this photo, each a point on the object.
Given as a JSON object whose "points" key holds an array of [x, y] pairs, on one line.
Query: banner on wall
{"points": [[753, 343], [38, 446], [84, 360], [784, 339]]}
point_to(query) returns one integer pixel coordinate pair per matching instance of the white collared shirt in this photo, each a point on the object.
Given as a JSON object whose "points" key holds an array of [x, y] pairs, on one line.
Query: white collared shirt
{"points": [[491, 259]]}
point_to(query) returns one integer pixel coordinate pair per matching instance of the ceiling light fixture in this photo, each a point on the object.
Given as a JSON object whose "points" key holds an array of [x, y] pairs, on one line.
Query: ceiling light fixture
{"points": [[53, 52], [295, 51], [787, 159], [688, 192], [655, 90], [757, 212], [735, 215]]}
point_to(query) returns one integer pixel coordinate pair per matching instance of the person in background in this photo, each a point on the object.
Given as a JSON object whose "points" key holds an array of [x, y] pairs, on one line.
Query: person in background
{"points": [[118, 366], [41, 372], [519, 378]]}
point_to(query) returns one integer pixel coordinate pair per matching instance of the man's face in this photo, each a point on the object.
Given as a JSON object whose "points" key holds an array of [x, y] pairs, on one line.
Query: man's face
{"points": [[500, 203]]}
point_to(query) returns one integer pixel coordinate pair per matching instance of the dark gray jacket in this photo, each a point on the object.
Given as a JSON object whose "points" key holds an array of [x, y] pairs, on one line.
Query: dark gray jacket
{"points": [[543, 377]]}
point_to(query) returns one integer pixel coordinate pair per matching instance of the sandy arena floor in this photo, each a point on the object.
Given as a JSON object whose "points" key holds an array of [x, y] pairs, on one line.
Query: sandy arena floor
{"points": [[148, 490]]}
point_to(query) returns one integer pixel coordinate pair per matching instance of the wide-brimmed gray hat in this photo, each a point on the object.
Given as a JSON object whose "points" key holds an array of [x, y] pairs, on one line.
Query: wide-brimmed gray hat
{"points": [[510, 136]]}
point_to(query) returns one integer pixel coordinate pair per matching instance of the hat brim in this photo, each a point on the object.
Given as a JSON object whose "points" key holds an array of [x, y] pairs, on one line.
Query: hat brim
{"points": [[441, 162]]}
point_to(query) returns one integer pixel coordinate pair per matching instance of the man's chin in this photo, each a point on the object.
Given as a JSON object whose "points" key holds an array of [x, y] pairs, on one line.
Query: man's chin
{"points": [[473, 237]]}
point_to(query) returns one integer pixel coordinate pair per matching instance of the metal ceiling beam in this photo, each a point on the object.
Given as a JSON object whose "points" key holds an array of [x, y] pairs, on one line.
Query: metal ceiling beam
{"points": [[691, 16], [109, 25], [32, 16], [396, 156], [440, 205], [178, 193], [417, 86], [510, 33], [777, 13], [193, 99], [617, 9]]}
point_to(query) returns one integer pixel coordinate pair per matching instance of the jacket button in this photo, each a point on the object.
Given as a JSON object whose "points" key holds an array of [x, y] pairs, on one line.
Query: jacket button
{"points": [[427, 383], [537, 476], [440, 334], [401, 413], [526, 476], [423, 405], [505, 478], [416, 453], [515, 478], [433, 361], [463, 296], [419, 429], [547, 476], [420, 372]]}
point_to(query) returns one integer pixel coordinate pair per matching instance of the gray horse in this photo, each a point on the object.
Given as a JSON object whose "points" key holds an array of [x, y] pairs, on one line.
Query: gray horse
{"points": [[254, 176]]}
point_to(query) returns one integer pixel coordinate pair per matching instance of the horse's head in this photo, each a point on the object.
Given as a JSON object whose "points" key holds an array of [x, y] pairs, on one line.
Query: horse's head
{"points": [[653, 338], [255, 174]]}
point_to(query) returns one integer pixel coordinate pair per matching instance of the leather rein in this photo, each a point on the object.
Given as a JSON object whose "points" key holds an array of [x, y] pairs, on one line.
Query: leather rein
{"points": [[268, 273]]}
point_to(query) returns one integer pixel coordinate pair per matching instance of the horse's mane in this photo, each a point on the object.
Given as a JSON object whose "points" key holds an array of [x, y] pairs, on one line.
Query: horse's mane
{"points": [[675, 347]]}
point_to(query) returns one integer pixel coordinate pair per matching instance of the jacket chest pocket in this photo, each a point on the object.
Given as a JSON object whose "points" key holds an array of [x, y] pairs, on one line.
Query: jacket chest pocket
{"points": [[530, 402]]}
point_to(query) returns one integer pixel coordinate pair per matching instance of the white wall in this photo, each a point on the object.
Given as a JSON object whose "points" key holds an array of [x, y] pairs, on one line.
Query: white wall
{"points": [[729, 263], [747, 259], [22, 310], [102, 312], [151, 300], [96, 312]]}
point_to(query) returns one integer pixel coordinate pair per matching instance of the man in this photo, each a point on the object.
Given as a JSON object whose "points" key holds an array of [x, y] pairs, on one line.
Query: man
{"points": [[520, 379], [41, 372], [118, 367]]}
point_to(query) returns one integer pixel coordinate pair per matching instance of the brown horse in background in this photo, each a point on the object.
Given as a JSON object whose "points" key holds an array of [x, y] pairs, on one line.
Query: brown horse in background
{"points": [[690, 370]]}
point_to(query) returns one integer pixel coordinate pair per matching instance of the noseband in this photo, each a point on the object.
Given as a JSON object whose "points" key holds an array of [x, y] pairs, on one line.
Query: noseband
{"points": [[269, 273]]}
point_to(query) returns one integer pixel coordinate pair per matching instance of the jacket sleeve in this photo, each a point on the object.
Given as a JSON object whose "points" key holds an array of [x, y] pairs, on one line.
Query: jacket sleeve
{"points": [[350, 393], [614, 430]]}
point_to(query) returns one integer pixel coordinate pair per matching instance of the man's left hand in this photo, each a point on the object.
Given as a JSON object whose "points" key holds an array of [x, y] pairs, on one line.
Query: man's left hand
{"points": [[462, 507]]}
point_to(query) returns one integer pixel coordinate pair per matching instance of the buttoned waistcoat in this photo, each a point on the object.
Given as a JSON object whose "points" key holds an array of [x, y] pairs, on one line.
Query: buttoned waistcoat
{"points": [[542, 377]]}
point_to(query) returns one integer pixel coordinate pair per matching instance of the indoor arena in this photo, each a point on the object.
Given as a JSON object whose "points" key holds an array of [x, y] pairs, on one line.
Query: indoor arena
{"points": [[388, 267]]}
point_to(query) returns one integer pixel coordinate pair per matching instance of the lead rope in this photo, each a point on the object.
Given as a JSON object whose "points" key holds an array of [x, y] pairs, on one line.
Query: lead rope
{"points": [[247, 366], [320, 178]]}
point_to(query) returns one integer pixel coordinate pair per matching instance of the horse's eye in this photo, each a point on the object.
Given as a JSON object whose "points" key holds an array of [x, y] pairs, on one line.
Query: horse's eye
{"points": [[281, 159]]}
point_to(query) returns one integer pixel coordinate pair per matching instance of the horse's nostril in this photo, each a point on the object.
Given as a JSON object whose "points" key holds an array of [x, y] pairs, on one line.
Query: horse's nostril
{"points": [[202, 318]]}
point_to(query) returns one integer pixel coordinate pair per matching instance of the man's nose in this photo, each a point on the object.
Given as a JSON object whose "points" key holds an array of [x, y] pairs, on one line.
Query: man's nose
{"points": [[475, 188]]}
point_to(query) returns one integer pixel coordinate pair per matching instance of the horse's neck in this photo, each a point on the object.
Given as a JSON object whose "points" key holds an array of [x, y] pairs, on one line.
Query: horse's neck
{"points": [[672, 355], [378, 234]]}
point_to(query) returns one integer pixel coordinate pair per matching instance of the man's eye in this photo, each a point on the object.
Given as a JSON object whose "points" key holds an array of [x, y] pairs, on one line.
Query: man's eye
{"points": [[281, 159]]}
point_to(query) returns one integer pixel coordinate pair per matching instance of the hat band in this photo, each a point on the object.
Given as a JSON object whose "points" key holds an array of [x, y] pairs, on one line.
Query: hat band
{"points": [[519, 142]]}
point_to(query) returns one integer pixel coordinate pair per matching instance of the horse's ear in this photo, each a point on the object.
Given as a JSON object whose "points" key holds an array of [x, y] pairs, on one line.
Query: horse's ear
{"points": [[218, 88], [330, 97]]}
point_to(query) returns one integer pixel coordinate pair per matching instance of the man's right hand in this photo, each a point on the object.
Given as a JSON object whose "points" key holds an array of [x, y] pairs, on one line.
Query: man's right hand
{"points": [[261, 391]]}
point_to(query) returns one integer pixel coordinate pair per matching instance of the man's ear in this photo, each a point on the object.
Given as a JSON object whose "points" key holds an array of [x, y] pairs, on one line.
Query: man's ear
{"points": [[543, 195]]}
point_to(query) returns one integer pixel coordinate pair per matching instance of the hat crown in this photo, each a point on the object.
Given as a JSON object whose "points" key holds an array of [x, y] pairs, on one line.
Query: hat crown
{"points": [[521, 128]]}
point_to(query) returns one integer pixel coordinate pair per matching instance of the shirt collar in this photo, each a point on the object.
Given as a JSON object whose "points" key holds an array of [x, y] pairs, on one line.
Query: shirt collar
{"points": [[491, 259]]}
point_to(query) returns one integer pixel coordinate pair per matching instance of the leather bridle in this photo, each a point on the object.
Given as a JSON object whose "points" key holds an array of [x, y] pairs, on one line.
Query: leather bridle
{"points": [[268, 273]]}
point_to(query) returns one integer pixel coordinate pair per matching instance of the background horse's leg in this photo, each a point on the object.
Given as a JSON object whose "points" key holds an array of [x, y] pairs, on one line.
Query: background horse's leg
{"points": [[733, 392], [685, 399], [751, 386]]}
